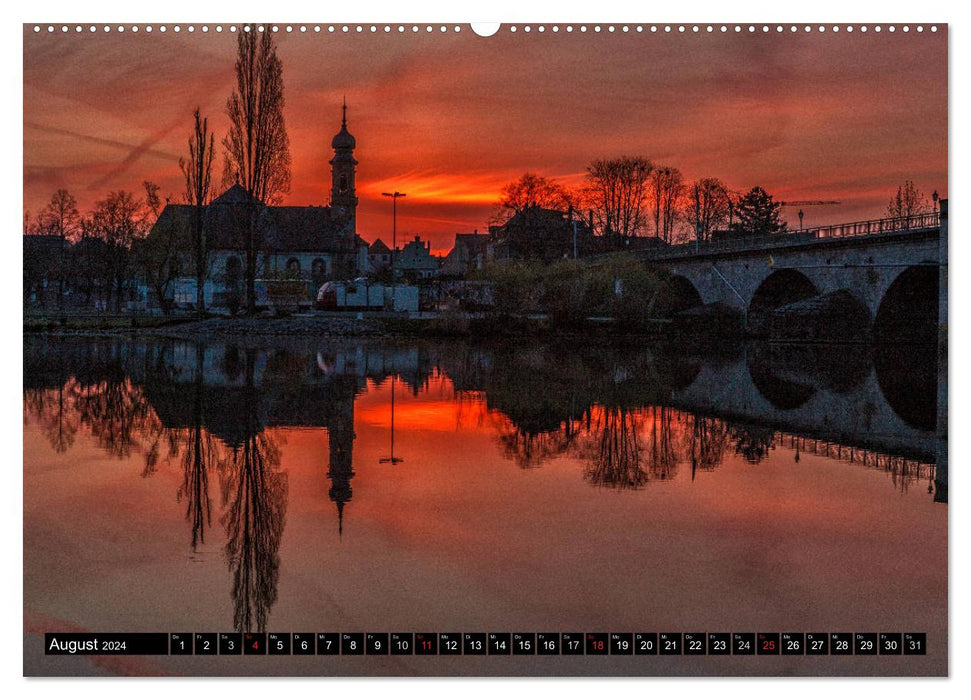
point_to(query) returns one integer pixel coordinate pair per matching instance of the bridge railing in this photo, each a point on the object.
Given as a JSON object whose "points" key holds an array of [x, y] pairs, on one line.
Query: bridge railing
{"points": [[876, 226], [853, 229]]}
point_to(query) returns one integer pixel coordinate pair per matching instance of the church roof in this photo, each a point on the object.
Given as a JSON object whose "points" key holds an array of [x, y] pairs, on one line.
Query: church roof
{"points": [[284, 229], [343, 140], [236, 194], [301, 228]]}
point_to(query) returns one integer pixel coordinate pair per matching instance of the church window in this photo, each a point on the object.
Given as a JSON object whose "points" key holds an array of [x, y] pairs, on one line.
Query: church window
{"points": [[343, 184]]}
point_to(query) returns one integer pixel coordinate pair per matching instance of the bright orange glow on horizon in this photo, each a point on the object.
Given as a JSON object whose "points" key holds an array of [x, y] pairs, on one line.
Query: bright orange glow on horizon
{"points": [[450, 119]]}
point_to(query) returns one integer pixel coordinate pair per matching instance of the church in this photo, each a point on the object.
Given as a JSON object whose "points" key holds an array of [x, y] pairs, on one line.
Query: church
{"points": [[309, 244]]}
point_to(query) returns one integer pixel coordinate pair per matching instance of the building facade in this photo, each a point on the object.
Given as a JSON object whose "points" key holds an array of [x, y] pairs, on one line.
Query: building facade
{"points": [[471, 252], [309, 245], [415, 261]]}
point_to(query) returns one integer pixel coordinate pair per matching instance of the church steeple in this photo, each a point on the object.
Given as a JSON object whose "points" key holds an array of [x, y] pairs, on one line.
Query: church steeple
{"points": [[343, 194]]}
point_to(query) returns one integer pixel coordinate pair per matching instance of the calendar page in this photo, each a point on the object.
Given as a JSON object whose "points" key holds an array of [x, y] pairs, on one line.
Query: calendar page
{"points": [[513, 350]]}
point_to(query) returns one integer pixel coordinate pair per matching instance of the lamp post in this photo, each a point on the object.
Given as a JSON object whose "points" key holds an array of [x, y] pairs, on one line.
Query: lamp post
{"points": [[394, 239], [392, 459]]}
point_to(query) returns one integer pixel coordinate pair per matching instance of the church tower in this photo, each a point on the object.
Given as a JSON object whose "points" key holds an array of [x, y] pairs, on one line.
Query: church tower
{"points": [[343, 196]]}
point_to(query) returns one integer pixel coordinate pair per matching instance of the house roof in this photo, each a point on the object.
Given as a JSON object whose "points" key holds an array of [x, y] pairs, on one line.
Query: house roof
{"points": [[43, 243], [473, 242], [379, 247]]}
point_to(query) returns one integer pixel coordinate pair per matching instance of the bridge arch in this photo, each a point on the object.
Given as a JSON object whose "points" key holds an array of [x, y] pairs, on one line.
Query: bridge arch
{"points": [[783, 393], [908, 311], [907, 377], [677, 294], [782, 287]]}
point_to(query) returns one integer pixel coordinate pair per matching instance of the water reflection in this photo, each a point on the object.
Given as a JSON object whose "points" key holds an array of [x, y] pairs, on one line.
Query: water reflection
{"points": [[198, 457], [629, 418]]}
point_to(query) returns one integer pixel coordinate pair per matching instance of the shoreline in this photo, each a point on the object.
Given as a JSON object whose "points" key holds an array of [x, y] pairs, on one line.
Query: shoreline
{"points": [[443, 327]]}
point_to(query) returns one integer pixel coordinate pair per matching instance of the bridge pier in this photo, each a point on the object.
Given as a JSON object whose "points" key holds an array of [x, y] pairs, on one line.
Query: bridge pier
{"points": [[940, 478]]}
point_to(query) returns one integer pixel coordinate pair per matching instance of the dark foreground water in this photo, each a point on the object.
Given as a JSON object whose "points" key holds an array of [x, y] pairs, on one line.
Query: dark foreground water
{"points": [[327, 487]]}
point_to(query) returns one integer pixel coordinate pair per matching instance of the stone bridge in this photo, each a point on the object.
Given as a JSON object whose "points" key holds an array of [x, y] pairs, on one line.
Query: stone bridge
{"points": [[881, 277]]}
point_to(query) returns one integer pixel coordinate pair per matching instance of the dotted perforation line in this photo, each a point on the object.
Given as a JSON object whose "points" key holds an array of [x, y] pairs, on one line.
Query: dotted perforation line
{"points": [[276, 28], [428, 28], [719, 28]]}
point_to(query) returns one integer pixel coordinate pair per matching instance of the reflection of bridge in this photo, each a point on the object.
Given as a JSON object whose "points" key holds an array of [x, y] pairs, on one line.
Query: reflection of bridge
{"points": [[844, 415], [872, 274], [850, 409], [902, 468]]}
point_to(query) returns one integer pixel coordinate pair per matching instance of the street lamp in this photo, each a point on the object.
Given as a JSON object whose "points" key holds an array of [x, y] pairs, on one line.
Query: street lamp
{"points": [[394, 239], [392, 459]]}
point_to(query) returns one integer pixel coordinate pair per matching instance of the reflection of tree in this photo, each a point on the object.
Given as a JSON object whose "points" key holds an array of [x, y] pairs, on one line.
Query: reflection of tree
{"points": [[55, 414], [661, 447], [255, 497], [709, 440], [530, 449], [197, 457], [616, 455], [626, 448], [752, 443], [117, 413]]}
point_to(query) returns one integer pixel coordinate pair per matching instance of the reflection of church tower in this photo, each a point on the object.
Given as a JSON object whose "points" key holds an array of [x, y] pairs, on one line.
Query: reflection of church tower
{"points": [[343, 195], [340, 427]]}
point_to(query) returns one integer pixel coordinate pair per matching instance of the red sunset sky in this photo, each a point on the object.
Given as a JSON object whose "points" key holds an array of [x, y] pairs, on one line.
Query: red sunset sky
{"points": [[450, 118]]}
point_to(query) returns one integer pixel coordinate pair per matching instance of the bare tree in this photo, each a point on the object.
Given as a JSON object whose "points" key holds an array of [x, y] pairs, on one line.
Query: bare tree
{"points": [[907, 203], [159, 254], [119, 221], [88, 264], [61, 218], [711, 204], [257, 148], [529, 191], [616, 190], [198, 178], [667, 192]]}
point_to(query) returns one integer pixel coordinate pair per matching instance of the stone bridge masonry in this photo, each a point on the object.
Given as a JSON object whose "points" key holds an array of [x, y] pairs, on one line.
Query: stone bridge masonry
{"points": [[886, 269]]}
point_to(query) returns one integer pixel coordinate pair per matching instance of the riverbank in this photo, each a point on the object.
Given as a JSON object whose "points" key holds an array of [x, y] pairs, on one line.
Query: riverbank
{"points": [[352, 325]]}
